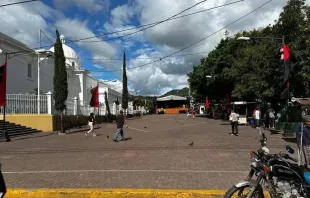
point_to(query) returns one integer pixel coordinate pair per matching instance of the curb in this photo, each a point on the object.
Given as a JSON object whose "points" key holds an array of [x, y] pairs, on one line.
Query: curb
{"points": [[111, 193]]}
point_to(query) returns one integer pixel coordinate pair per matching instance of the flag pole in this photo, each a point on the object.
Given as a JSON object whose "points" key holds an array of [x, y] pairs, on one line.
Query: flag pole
{"points": [[7, 138], [98, 101]]}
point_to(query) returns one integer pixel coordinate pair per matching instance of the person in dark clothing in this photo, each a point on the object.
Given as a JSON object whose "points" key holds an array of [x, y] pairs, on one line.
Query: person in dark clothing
{"points": [[120, 121], [91, 123], [303, 141]]}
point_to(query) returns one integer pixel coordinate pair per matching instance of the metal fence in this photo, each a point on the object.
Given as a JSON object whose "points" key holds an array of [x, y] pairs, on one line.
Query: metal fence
{"points": [[25, 104]]}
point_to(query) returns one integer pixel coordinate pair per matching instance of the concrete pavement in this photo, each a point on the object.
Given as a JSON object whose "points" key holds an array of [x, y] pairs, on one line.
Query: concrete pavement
{"points": [[157, 157]]}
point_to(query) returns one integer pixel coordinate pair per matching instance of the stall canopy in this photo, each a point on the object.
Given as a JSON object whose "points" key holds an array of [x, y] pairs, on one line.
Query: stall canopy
{"points": [[171, 98]]}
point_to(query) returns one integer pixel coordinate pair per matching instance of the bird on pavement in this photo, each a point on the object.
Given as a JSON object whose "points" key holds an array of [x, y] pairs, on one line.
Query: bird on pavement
{"points": [[191, 144], [108, 136], [145, 127]]}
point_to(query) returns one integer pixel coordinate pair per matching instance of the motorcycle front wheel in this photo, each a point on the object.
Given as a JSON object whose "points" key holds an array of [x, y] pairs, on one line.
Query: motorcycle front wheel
{"points": [[238, 192]]}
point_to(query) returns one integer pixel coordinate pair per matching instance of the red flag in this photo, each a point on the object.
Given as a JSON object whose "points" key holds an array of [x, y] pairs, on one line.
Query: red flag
{"points": [[2, 84], [287, 62], [207, 104], [227, 99], [94, 102]]}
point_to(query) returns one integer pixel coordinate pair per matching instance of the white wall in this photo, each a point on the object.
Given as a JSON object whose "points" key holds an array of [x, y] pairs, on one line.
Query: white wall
{"points": [[17, 71], [74, 84]]}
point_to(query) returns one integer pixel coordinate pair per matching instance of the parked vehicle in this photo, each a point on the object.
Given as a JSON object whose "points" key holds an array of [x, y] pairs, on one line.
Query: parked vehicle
{"points": [[279, 174]]}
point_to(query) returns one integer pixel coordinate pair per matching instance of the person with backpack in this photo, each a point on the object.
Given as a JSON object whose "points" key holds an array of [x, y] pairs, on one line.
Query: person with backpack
{"points": [[91, 123]]}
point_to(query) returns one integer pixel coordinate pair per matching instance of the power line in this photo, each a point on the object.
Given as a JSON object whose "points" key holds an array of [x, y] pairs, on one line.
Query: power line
{"points": [[235, 21], [150, 24], [157, 23], [136, 58], [21, 2]]}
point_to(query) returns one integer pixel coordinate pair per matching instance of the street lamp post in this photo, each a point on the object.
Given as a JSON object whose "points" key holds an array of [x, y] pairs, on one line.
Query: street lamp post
{"points": [[38, 52], [267, 37], [270, 38]]}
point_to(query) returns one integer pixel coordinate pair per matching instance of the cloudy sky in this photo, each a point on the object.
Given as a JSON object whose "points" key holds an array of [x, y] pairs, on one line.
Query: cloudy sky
{"points": [[102, 54]]}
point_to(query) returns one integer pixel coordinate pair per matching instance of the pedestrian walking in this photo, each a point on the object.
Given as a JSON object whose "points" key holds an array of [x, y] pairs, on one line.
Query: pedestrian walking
{"points": [[303, 142], [120, 121], [257, 116], [271, 118], [193, 113], [188, 113], [91, 123], [234, 119]]}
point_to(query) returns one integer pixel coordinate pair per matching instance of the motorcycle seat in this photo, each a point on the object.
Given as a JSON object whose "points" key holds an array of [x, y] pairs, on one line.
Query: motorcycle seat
{"points": [[307, 176]]}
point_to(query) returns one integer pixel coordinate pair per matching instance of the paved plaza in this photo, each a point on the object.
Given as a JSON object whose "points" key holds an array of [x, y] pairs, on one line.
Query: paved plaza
{"points": [[157, 157]]}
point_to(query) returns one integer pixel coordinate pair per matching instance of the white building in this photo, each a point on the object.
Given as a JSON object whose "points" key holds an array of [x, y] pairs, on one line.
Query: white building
{"points": [[22, 73]]}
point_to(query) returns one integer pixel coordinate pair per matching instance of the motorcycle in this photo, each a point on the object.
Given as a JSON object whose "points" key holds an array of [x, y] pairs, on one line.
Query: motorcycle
{"points": [[276, 174]]}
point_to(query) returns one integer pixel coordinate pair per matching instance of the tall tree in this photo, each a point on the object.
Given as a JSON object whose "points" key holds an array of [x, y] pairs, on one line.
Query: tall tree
{"points": [[125, 88], [60, 80], [107, 105]]}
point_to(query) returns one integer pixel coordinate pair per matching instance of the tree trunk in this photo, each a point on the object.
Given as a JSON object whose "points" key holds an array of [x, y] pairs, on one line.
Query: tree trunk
{"points": [[61, 122]]}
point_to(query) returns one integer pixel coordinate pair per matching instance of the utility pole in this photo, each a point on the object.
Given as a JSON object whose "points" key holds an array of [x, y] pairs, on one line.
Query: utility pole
{"points": [[38, 65]]}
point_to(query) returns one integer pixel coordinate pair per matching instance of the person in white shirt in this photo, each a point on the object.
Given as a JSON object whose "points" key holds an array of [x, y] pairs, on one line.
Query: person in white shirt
{"points": [[234, 118], [271, 118], [257, 117]]}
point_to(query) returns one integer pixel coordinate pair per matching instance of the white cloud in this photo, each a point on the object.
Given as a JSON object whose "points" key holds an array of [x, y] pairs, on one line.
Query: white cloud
{"points": [[174, 35], [88, 5], [23, 21], [158, 41], [99, 49]]}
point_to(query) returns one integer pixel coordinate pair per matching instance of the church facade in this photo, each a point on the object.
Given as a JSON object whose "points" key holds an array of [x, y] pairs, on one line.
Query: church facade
{"points": [[25, 70]]}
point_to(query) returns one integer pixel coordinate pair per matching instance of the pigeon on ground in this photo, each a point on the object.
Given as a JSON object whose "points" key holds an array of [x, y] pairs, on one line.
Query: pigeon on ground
{"points": [[108, 136], [191, 144], [145, 127]]}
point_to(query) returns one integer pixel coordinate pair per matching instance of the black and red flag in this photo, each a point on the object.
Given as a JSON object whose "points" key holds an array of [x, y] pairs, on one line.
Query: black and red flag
{"points": [[290, 61], [94, 102], [2, 84]]}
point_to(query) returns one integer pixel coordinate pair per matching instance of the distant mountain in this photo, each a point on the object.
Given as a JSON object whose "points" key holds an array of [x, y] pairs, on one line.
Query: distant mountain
{"points": [[141, 99], [178, 92]]}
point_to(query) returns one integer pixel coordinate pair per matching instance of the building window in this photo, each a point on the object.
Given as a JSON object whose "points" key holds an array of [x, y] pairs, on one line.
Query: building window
{"points": [[73, 64], [29, 70]]}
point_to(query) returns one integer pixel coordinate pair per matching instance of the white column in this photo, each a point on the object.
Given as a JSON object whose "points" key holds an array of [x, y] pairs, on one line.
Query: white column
{"points": [[81, 95], [114, 108], [49, 102], [75, 107]]}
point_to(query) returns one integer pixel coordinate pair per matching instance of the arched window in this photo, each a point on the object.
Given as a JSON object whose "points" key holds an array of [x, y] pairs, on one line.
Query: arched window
{"points": [[73, 64]]}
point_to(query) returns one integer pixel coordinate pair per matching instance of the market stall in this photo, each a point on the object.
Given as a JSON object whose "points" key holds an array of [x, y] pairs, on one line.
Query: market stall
{"points": [[244, 109]]}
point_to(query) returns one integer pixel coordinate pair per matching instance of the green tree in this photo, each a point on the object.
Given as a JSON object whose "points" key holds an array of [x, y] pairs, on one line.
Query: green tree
{"points": [[60, 80], [107, 103], [107, 106], [252, 69], [125, 88]]}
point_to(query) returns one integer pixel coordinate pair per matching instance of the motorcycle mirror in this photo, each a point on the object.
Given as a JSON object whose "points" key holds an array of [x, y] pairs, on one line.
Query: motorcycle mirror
{"points": [[289, 149]]}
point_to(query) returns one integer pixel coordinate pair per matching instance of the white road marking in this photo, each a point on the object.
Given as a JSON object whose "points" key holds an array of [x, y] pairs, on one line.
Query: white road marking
{"points": [[137, 129], [167, 129], [155, 120], [159, 171]]}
